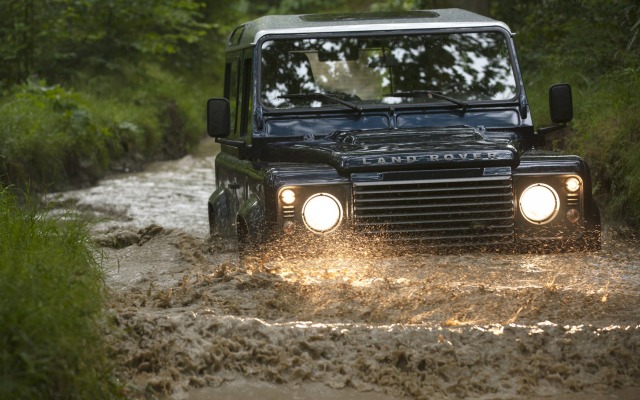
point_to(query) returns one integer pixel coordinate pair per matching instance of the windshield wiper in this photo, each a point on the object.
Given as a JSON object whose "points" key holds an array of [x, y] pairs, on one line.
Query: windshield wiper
{"points": [[429, 94], [321, 96]]}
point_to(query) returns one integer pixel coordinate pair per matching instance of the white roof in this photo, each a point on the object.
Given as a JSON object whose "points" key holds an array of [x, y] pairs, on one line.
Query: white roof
{"points": [[251, 32]]}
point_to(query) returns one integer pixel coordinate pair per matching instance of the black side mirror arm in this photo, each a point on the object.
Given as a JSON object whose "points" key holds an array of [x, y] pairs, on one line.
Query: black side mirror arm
{"points": [[548, 129]]}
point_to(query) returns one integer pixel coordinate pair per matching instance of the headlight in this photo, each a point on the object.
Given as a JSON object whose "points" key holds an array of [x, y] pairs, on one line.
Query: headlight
{"points": [[288, 196], [539, 203], [572, 184], [322, 213]]}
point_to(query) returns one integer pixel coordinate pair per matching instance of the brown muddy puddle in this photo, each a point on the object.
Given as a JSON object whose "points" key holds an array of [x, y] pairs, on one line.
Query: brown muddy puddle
{"points": [[190, 323]]}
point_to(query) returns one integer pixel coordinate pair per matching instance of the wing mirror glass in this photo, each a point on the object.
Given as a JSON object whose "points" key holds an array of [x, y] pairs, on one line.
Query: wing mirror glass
{"points": [[560, 103]]}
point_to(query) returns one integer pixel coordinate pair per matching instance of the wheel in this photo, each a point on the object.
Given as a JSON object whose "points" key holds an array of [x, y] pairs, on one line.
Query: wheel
{"points": [[248, 252], [211, 220]]}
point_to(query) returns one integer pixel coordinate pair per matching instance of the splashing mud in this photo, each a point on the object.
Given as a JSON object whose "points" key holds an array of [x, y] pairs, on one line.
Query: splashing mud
{"points": [[189, 322]]}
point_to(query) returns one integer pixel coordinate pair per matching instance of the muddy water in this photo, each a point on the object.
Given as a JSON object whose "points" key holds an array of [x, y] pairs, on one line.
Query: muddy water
{"points": [[169, 194], [190, 323]]}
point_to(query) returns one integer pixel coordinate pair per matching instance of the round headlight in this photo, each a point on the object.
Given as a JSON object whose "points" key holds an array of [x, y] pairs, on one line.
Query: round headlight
{"points": [[288, 196], [322, 213], [539, 203], [572, 184]]}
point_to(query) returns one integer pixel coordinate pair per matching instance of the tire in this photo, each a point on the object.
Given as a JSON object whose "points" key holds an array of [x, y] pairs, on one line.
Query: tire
{"points": [[248, 253], [211, 220]]}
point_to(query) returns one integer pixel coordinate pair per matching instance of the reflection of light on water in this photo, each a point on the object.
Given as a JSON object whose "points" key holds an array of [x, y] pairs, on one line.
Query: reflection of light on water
{"points": [[544, 327], [573, 329], [457, 291], [530, 267]]}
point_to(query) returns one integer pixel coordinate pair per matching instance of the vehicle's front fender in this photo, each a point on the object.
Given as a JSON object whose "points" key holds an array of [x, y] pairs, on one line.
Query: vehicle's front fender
{"points": [[250, 220], [222, 211]]}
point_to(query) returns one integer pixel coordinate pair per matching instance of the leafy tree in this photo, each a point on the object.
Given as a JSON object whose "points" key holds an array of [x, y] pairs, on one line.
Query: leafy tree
{"points": [[590, 36], [53, 39]]}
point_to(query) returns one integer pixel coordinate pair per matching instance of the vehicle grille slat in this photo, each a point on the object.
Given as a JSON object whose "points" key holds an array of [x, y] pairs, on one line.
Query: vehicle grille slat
{"points": [[435, 205], [438, 212], [453, 189], [438, 221], [496, 228], [397, 198]]}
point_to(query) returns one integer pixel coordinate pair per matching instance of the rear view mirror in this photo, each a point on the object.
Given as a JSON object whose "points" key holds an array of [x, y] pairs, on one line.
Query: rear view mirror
{"points": [[560, 103], [218, 117]]}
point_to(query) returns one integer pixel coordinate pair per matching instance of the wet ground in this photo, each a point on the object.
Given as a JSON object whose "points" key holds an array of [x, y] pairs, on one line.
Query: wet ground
{"points": [[190, 323]]}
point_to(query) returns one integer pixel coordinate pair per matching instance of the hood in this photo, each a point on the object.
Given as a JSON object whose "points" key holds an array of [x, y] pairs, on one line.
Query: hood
{"points": [[423, 148]]}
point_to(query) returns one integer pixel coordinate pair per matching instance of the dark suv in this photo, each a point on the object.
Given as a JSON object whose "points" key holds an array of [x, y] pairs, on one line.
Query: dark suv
{"points": [[405, 128]]}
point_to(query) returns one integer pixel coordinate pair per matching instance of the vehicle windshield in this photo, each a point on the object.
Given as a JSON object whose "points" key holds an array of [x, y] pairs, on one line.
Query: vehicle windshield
{"points": [[473, 66]]}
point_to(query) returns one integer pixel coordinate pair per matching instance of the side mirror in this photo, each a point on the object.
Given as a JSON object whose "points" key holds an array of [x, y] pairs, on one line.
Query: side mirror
{"points": [[218, 117], [560, 103]]}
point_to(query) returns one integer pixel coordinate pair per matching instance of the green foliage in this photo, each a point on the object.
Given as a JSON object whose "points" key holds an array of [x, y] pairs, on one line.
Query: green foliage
{"points": [[607, 136], [127, 83], [49, 137], [151, 110], [51, 319], [632, 19], [590, 36], [55, 38], [52, 136], [318, 6], [478, 6]]}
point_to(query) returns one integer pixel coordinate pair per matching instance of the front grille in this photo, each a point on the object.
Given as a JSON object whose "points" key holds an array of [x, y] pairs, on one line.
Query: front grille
{"points": [[476, 211]]}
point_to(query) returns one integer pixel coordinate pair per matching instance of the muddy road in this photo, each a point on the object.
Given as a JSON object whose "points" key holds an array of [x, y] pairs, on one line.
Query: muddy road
{"points": [[189, 323]]}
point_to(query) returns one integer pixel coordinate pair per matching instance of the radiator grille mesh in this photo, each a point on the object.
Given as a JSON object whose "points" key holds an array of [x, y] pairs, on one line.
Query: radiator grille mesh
{"points": [[440, 212]]}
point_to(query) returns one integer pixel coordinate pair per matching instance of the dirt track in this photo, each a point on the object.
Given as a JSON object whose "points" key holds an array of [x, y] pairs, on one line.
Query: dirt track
{"points": [[186, 316]]}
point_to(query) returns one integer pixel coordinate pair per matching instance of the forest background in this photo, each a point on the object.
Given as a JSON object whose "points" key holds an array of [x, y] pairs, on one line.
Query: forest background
{"points": [[89, 86]]}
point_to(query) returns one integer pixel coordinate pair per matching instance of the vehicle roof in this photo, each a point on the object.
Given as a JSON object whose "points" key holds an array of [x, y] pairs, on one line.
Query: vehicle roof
{"points": [[250, 32]]}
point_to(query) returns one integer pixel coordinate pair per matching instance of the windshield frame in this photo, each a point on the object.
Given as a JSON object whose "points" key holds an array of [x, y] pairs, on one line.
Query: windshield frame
{"points": [[438, 104]]}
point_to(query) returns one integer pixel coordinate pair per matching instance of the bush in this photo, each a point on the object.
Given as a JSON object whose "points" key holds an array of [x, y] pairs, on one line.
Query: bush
{"points": [[51, 346], [48, 137], [150, 109], [52, 137]]}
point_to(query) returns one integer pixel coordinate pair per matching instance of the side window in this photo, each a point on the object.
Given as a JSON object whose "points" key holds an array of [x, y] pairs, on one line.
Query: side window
{"points": [[247, 85], [231, 89]]}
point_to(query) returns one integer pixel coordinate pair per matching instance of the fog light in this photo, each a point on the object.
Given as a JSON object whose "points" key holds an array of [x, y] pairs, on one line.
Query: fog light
{"points": [[539, 203], [289, 227], [572, 184], [573, 215], [288, 196], [322, 213]]}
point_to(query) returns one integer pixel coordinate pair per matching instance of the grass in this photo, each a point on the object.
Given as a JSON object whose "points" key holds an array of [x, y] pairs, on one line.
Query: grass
{"points": [[51, 314]]}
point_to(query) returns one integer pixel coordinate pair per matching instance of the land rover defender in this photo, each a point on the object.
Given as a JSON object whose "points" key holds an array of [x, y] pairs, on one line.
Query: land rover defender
{"points": [[408, 128]]}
